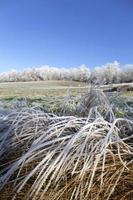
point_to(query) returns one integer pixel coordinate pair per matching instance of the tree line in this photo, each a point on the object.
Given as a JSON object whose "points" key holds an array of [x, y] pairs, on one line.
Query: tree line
{"points": [[106, 74]]}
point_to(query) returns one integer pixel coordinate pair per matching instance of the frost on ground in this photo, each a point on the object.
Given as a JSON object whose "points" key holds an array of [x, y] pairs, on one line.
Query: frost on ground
{"points": [[87, 154]]}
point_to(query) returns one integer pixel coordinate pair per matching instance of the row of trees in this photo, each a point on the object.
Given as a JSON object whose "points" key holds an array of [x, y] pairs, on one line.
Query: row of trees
{"points": [[81, 73], [112, 73], [109, 73]]}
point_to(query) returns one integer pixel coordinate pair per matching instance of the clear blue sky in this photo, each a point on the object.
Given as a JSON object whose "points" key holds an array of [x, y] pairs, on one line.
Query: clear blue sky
{"points": [[65, 32]]}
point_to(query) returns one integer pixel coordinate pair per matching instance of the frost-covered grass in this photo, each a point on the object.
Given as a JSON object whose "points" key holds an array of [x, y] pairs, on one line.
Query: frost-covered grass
{"points": [[88, 155]]}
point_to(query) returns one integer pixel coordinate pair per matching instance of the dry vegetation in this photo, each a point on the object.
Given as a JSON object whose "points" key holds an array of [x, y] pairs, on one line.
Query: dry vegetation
{"points": [[40, 89], [82, 150]]}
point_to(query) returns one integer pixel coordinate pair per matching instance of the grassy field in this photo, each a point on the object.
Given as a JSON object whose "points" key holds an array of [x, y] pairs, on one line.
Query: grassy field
{"points": [[40, 88], [51, 93]]}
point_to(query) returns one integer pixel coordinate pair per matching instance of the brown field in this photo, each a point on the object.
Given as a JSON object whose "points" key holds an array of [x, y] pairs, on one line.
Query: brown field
{"points": [[38, 89]]}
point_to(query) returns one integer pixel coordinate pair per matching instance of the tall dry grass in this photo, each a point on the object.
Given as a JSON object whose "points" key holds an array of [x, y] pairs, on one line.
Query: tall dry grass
{"points": [[46, 156]]}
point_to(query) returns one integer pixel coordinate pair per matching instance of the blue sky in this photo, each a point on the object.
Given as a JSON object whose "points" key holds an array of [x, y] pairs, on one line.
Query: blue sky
{"points": [[65, 32]]}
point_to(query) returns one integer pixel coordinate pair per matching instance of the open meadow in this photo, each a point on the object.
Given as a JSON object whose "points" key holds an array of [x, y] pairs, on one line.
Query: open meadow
{"points": [[34, 89]]}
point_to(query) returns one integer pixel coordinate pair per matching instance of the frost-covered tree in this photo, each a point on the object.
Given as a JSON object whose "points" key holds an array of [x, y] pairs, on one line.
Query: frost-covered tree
{"points": [[127, 75], [81, 73], [105, 74], [108, 73]]}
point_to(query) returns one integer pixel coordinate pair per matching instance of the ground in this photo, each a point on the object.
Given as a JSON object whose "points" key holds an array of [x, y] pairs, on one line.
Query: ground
{"points": [[48, 94], [39, 89]]}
